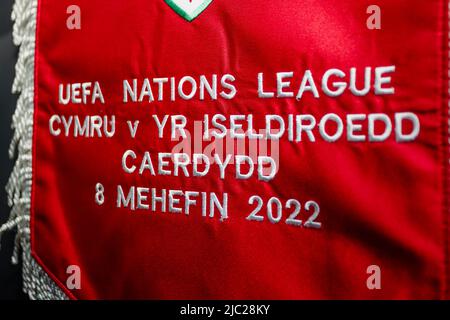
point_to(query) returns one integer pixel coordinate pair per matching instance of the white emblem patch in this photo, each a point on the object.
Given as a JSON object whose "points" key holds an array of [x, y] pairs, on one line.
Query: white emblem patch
{"points": [[189, 9]]}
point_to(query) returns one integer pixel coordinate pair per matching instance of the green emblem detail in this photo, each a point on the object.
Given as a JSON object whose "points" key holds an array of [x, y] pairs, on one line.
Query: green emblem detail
{"points": [[188, 9]]}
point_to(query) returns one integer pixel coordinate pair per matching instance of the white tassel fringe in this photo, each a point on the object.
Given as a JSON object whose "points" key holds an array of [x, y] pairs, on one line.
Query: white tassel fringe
{"points": [[36, 283]]}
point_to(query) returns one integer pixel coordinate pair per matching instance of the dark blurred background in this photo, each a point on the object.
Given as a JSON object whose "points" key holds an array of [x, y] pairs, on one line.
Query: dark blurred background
{"points": [[10, 278]]}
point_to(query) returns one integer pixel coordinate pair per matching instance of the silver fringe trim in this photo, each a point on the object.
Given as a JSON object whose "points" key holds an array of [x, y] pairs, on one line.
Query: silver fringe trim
{"points": [[36, 283]]}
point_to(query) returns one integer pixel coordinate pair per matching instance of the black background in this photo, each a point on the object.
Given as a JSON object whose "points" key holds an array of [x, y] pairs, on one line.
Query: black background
{"points": [[10, 278]]}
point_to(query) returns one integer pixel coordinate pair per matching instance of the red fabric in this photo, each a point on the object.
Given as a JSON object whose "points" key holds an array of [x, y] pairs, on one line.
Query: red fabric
{"points": [[381, 204]]}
